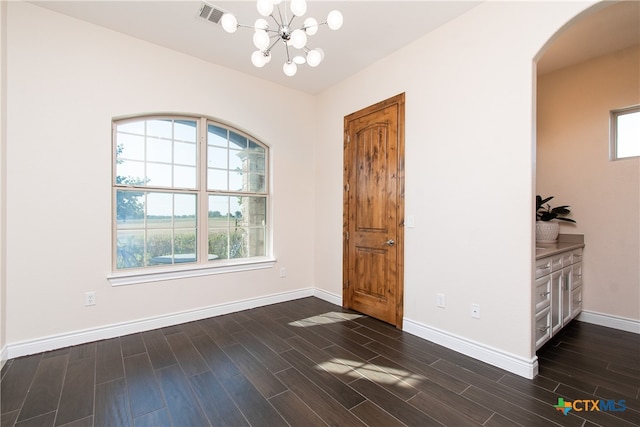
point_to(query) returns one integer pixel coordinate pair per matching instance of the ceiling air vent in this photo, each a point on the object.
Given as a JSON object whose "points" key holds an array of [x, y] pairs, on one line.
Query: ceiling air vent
{"points": [[210, 13]]}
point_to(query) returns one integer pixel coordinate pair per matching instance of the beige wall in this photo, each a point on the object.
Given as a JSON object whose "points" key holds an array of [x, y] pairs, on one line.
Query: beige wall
{"points": [[573, 165], [66, 80], [469, 179], [3, 145]]}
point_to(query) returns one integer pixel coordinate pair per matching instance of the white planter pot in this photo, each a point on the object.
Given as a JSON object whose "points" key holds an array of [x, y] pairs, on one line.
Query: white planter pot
{"points": [[547, 231]]}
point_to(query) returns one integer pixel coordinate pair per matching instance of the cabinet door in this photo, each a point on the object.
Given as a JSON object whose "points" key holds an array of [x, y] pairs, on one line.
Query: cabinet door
{"points": [[576, 301], [566, 294], [556, 301]]}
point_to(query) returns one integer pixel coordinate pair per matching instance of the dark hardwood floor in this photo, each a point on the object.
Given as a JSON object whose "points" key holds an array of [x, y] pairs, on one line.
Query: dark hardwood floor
{"points": [[310, 363]]}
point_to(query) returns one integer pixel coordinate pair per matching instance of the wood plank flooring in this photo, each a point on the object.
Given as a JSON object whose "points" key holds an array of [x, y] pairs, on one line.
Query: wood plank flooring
{"points": [[311, 363]]}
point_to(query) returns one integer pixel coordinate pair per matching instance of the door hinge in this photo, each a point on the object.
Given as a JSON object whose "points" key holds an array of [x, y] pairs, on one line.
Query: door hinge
{"points": [[347, 235], [348, 138], [346, 187], [346, 284]]}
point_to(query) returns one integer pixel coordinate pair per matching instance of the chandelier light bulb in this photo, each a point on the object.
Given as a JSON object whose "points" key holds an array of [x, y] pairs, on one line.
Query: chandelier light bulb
{"points": [[298, 7], [261, 40], [229, 23], [314, 58], [265, 7], [299, 59], [335, 20], [298, 39], [261, 24], [290, 68], [310, 26], [258, 59]]}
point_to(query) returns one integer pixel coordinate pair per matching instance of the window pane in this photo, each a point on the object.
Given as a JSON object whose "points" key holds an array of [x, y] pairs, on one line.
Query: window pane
{"points": [[217, 179], [185, 244], [236, 159], [254, 211], [130, 249], [136, 128], [217, 157], [184, 153], [129, 209], [185, 130], [185, 210], [159, 247], [628, 135], [130, 147], [159, 127], [237, 141], [216, 136], [235, 181], [218, 211], [257, 183], [159, 210], [158, 175], [238, 243], [130, 172], [158, 150], [184, 177], [219, 242], [257, 156]]}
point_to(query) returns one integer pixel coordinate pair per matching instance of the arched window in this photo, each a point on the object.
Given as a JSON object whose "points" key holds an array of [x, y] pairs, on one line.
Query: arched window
{"points": [[187, 191]]}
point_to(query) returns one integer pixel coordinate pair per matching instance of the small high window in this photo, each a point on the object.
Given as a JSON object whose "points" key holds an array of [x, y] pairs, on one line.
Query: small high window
{"points": [[625, 132], [187, 190]]}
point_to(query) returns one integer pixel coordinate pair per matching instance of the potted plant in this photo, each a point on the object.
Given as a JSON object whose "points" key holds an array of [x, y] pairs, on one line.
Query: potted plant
{"points": [[547, 228]]}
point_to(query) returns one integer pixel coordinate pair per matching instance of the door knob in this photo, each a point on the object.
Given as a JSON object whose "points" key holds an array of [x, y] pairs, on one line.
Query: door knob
{"points": [[390, 242]]}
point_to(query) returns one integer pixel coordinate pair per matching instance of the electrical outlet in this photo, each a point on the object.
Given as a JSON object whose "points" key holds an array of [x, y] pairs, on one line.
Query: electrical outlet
{"points": [[475, 311], [283, 272], [89, 298], [440, 300]]}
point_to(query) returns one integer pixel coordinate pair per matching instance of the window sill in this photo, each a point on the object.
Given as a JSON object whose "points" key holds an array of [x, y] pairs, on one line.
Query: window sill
{"points": [[160, 274]]}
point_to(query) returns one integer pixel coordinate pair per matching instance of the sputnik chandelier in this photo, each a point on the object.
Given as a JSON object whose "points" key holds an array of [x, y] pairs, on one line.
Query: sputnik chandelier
{"points": [[267, 35]]}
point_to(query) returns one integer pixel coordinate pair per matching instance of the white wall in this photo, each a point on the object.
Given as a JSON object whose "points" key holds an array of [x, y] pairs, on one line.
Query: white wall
{"points": [[469, 177], [66, 80], [573, 165]]}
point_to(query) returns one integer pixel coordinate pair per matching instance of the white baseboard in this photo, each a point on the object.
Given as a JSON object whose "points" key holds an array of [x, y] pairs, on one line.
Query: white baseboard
{"points": [[53, 342], [4, 356], [328, 296], [615, 322], [524, 367]]}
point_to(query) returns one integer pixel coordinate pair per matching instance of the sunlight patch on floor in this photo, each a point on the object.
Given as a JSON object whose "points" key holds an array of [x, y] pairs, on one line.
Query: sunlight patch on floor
{"points": [[325, 319], [376, 373]]}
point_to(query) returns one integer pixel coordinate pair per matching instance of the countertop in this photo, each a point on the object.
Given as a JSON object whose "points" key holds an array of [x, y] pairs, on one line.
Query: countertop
{"points": [[566, 242]]}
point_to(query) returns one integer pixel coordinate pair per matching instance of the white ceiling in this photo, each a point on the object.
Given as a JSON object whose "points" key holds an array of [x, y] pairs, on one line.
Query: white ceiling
{"points": [[371, 31]]}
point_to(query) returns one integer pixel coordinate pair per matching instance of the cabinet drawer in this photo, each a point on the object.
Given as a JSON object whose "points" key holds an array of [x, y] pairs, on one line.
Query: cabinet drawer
{"points": [[543, 327], [566, 259], [542, 296], [543, 267], [576, 301], [576, 255]]}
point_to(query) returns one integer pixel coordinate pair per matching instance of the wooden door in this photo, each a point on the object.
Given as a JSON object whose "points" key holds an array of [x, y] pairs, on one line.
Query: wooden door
{"points": [[374, 210]]}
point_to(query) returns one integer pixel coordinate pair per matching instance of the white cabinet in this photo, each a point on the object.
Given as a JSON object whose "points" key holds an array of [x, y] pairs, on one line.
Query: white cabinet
{"points": [[557, 293]]}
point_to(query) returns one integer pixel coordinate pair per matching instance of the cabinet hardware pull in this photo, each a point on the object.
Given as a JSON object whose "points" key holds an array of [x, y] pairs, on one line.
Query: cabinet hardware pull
{"points": [[543, 328], [546, 267], [544, 294]]}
